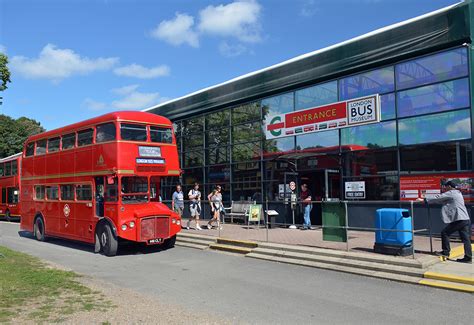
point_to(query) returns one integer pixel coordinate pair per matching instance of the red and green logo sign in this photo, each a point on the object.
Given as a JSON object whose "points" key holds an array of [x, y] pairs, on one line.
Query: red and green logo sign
{"points": [[275, 126]]}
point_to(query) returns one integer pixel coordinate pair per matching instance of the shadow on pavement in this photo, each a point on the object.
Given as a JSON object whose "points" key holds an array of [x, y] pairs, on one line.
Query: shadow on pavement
{"points": [[125, 248]]}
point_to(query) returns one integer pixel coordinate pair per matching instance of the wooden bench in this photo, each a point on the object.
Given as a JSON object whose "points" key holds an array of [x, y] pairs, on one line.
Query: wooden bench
{"points": [[238, 210]]}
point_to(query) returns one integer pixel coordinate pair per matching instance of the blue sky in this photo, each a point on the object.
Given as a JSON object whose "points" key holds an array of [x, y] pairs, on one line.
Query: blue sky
{"points": [[75, 59]]}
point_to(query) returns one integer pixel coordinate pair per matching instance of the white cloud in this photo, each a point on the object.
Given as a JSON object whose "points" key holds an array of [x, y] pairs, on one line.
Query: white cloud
{"points": [[3, 49], [130, 99], [309, 8], [141, 72], [462, 126], [240, 19], [93, 105], [57, 64], [122, 91], [177, 31], [229, 50]]}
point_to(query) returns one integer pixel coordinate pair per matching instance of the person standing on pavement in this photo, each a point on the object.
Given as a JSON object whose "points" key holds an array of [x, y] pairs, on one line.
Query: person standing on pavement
{"points": [[215, 201], [454, 213], [305, 197], [177, 202], [194, 196]]}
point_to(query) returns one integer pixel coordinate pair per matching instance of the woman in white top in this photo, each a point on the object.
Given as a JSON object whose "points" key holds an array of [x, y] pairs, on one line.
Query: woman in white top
{"points": [[215, 201]]}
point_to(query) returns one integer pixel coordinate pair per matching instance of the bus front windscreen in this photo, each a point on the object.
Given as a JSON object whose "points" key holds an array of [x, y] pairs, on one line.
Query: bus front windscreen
{"points": [[134, 189]]}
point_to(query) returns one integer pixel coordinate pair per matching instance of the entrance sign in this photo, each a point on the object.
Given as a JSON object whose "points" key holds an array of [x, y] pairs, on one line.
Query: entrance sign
{"points": [[355, 190], [333, 116]]}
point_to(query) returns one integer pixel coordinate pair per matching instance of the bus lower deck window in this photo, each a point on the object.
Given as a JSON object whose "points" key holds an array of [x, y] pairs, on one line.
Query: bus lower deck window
{"points": [[84, 192]]}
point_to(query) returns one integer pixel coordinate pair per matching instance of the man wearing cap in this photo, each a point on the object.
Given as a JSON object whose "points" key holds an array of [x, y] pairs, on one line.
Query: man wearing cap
{"points": [[454, 213]]}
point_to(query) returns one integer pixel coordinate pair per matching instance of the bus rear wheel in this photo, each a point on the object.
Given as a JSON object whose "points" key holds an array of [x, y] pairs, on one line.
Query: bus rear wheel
{"points": [[39, 229], [107, 240]]}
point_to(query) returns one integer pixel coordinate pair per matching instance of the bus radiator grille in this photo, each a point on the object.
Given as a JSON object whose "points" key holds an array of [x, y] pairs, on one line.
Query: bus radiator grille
{"points": [[154, 227]]}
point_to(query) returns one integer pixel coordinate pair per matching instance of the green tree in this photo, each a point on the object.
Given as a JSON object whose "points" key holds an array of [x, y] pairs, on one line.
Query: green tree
{"points": [[4, 72], [13, 133]]}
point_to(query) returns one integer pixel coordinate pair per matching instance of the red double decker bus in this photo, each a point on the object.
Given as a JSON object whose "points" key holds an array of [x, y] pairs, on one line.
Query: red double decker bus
{"points": [[10, 187], [98, 181]]}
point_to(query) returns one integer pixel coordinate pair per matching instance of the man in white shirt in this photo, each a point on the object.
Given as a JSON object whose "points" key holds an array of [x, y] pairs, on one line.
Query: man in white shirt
{"points": [[195, 205]]}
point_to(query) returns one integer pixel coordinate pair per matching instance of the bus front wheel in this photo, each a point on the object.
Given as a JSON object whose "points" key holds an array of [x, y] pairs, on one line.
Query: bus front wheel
{"points": [[39, 229], [107, 240]]}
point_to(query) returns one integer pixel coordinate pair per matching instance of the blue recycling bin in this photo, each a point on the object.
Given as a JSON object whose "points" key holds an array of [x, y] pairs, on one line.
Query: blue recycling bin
{"points": [[393, 242]]}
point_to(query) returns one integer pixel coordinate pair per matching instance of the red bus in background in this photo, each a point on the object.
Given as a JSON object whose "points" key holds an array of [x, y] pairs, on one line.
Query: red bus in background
{"points": [[10, 187], [98, 181]]}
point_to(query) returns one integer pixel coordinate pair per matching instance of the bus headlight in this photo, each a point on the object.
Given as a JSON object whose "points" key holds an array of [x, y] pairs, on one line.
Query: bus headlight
{"points": [[173, 221], [178, 222], [124, 227], [131, 224]]}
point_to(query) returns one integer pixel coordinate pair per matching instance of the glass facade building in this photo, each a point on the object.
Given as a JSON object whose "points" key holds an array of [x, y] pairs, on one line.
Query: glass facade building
{"points": [[425, 129]]}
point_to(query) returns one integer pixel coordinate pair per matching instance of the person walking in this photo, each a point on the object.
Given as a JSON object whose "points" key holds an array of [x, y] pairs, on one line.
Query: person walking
{"points": [[305, 197], [177, 202], [194, 196], [215, 201], [454, 213]]}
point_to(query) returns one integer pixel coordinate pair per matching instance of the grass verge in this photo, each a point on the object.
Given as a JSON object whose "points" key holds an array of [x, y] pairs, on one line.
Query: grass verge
{"points": [[31, 290]]}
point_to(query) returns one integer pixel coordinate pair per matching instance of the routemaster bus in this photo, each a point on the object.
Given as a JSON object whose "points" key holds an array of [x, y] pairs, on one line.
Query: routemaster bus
{"points": [[10, 187], [98, 181]]}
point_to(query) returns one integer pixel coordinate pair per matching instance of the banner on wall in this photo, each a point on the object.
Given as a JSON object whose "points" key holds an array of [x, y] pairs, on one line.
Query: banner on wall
{"points": [[338, 115], [429, 186]]}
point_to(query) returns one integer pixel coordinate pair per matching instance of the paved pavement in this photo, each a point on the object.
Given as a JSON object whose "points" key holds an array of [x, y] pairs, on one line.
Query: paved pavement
{"points": [[252, 291], [358, 240]]}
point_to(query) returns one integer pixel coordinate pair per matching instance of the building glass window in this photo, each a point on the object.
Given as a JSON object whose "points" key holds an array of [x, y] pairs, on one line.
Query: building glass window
{"points": [[219, 119], [316, 95], [246, 112], [387, 106], [53, 144], [278, 104], [371, 136], [278, 145], [434, 98], [192, 125], [372, 82], [40, 147], [217, 155], [246, 132], [434, 68], [454, 156], [193, 158], [379, 187], [218, 137], [435, 128], [370, 162], [318, 140], [246, 151], [190, 176], [105, 132], [69, 141], [218, 174]]}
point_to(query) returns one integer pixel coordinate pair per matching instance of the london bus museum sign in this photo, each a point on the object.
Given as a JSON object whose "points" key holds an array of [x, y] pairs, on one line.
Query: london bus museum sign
{"points": [[338, 115]]}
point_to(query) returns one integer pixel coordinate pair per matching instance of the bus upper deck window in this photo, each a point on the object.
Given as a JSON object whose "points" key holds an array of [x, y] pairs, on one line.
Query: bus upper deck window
{"points": [[53, 144], [2, 169], [30, 149], [69, 141], [40, 147], [85, 137], [161, 135], [14, 167], [105, 132], [133, 132]]}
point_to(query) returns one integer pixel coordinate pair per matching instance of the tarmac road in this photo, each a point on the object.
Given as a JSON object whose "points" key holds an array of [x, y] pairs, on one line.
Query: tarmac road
{"points": [[245, 290]]}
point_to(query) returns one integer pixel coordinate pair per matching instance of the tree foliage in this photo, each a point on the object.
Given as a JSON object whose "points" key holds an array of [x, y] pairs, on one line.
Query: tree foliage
{"points": [[13, 133], [4, 72]]}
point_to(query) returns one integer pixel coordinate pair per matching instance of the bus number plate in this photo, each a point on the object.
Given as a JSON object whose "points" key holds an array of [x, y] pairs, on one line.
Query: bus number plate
{"points": [[155, 241]]}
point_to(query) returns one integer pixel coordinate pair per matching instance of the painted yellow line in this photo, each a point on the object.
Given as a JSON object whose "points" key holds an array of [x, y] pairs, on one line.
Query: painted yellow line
{"points": [[458, 251], [449, 277], [450, 286]]}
